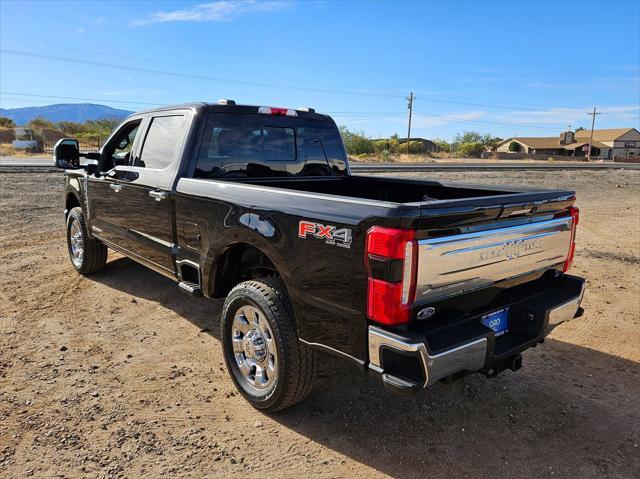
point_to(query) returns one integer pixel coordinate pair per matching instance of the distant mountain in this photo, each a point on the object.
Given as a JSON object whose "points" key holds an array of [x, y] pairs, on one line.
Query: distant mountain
{"points": [[79, 112]]}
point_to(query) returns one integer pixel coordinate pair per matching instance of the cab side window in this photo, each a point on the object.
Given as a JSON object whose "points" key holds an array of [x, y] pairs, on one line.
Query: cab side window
{"points": [[162, 143], [118, 151]]}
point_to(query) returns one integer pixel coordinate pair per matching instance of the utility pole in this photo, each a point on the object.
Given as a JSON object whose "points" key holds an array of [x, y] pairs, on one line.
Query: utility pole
{"points": [[410, 106], [593, 122]]}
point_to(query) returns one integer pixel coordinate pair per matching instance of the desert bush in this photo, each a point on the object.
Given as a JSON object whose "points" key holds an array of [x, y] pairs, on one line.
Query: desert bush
{"points": [[356, 142], [6, 122], [471, 149]]}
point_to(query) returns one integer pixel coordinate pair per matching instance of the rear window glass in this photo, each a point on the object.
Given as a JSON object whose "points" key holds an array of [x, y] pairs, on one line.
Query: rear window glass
{"points": [[245, 145]]}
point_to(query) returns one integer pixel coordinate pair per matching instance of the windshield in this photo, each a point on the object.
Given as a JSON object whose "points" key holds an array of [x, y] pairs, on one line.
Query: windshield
{"points": [[250, 145]]}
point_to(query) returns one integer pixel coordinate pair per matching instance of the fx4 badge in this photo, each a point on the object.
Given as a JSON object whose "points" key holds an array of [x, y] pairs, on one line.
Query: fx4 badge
{"points": [[331, 235]]}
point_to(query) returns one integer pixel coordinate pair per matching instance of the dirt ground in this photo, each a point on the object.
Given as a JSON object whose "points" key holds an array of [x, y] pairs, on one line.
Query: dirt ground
{"points": [[120, 375]]}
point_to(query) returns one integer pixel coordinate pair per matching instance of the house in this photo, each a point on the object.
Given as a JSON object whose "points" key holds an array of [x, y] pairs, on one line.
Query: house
{"points": [[609, 143]]}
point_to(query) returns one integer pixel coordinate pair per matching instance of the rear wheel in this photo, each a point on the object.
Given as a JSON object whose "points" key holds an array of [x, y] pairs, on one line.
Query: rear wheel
{"points": [[88, 255], [270, 367]]}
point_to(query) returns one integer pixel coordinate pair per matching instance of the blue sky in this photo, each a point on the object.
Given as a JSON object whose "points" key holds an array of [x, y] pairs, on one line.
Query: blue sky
{"points": [[506, 68]]}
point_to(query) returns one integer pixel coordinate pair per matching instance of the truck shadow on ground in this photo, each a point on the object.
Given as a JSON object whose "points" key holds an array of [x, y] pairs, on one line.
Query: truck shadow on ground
{"points": [[570, 412]]}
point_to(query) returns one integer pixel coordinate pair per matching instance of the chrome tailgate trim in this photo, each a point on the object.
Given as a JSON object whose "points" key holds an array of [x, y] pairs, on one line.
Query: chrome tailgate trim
{"points": [[451, 265]]}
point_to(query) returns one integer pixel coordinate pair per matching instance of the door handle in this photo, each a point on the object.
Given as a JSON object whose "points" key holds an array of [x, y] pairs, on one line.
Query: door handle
{"points": [[115, 187], [158, 195]]}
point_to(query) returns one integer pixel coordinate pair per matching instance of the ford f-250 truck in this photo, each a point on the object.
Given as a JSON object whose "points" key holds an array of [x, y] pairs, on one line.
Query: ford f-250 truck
{"points": [[413, 281]]}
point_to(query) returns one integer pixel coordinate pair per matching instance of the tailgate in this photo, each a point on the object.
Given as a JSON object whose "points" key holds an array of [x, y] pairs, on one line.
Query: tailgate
{"points": [[471, 257], [451, 265]]}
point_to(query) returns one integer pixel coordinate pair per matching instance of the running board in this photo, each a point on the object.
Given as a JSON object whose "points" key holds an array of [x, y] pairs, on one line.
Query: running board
{"points": [[192, 289]]}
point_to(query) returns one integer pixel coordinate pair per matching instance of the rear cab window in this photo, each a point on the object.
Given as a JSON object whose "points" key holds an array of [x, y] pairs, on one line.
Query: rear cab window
{"points": [[237, 145]]}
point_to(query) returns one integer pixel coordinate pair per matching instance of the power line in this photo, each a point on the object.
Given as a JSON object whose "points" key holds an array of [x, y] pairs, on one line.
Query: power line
{"points": [[153, 60], [464, 120], [353, 115], [193, 76], [426, 97]]}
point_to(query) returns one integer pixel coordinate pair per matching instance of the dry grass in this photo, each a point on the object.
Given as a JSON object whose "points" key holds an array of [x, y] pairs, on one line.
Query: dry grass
{"points": [[8, 150]]}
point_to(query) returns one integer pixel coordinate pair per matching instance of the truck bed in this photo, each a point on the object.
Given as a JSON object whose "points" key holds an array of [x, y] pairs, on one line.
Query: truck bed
{"points": [[398, 190]]}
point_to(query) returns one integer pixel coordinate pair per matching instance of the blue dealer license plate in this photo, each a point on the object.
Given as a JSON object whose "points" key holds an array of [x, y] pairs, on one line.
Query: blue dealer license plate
{"points": [[498, 321]]}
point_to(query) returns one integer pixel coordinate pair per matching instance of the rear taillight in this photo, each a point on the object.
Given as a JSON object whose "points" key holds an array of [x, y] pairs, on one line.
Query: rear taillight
{"points": [[391, 262], [575, 216]]}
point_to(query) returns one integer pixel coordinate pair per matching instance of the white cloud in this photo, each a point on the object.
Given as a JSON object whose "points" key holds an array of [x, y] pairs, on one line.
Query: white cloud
{"points": [[220, 11]]}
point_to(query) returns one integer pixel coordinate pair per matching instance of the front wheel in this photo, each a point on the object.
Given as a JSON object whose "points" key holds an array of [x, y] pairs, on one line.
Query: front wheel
{"points": [[88, 255], [270, 367]]}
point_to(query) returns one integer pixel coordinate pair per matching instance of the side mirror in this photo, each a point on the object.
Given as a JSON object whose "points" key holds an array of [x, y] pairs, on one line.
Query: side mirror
{"points": [[66, 154]]}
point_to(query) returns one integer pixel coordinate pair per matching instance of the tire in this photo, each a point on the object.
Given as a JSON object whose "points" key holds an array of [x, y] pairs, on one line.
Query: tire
{"points": [[294, 363], [88, 255]]}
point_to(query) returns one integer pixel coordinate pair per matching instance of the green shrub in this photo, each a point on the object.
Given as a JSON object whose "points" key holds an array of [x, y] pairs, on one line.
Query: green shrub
{"points": [[416, 147], [471, 149], [380, 146], [356, 142], [514, 146]]}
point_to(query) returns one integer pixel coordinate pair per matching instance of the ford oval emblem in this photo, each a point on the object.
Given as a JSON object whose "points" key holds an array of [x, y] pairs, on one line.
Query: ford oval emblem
{"points": [[426, 313]]}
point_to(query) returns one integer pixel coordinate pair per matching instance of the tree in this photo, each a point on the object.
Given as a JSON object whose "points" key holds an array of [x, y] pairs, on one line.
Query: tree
{"points": [[472, 149], [356, 142], [470, 137], [7, 122], [580, 128], [416, 147], [474, 137], [514, 146], [472, 143], [70, 127], [38, 124], [442, 145]]}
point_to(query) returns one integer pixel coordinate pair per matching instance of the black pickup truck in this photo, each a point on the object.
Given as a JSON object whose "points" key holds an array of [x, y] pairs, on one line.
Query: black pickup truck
{"points": [[413, 281]]}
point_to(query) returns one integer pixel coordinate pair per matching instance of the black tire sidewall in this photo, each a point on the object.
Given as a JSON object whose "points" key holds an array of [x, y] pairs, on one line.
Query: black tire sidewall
{"points": [[253, 297]]}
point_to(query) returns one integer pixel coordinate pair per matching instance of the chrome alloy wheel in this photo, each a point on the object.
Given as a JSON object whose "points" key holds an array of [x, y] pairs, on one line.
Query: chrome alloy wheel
{"points": [[254, 347], [76, 243]]}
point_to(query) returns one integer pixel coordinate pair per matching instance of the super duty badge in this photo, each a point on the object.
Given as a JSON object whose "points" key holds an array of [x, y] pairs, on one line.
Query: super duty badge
{"points": [[333, 236]]}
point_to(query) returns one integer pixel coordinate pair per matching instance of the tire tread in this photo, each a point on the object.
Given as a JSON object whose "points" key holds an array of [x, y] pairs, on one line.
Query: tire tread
{"points": [[95, 252], [301, 361]]}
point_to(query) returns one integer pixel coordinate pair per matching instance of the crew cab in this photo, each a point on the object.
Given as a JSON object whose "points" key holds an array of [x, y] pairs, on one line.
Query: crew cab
{"points": [[413, 281]]}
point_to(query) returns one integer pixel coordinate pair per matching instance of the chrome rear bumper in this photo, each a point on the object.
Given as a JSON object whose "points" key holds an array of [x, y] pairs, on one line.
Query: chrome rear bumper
{"points": [[564, 312], [469, 357]]}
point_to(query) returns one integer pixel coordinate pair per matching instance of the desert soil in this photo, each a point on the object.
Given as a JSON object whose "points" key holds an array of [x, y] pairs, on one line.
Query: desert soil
{"points": [[119, 375]]}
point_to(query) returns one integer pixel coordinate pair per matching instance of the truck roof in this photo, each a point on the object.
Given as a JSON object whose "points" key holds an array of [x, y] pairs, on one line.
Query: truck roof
{"points": [[232, 108]]}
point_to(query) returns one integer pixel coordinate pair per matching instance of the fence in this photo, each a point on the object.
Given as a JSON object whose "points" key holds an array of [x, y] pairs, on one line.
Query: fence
{"points": [[86, 144]]}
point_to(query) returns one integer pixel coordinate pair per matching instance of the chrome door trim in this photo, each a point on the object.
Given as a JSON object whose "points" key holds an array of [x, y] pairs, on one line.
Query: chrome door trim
{"points": [[138, 259]]}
